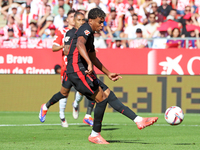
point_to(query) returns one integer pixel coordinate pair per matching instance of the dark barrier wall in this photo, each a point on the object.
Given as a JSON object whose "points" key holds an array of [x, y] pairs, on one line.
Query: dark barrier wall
{"points": [[142, 93]]}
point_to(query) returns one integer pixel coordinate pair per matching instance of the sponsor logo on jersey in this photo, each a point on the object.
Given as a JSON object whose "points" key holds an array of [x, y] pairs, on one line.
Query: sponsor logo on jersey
{"points": [[87, 32], [67, 38]]}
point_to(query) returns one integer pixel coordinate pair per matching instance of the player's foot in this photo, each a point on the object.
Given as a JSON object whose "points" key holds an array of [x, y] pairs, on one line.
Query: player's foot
{"points": [[75, 112], [64, 123], [146, 122], [97, 139], [42, 114], [88, 121]]}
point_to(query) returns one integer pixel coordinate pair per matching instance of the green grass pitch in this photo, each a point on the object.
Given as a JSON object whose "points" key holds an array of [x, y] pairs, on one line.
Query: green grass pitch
{"points": [[23, 131]]}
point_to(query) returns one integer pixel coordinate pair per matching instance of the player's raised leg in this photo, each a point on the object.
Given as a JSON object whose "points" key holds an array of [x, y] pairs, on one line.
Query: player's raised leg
{"points": [[63, 93]]}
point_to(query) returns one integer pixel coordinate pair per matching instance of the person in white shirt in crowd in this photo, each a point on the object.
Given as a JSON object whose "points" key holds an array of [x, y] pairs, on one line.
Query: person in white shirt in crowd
{"points": [[128, 16], [98, 4], [58, 20], [99, 42], [130, 31], [41, 8], [150, 30], [138, 43]]}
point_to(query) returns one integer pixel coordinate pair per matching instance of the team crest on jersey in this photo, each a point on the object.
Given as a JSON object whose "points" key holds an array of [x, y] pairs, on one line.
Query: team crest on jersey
{"points": [[86, 32], [67, 38]]}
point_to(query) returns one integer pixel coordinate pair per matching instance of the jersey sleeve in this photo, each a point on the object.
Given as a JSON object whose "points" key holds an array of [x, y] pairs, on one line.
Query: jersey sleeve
{"points": [[68, 37], [58, 39], [84, 31]]}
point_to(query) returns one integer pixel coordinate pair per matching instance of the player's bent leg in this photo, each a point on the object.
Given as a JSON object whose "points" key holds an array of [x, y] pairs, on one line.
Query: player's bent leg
{"points": [[88, 119], [75, 104], [62, 105]]}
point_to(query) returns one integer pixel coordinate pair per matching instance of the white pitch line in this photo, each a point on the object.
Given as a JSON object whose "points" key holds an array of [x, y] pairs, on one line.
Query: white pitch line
{"points": [[75, 124]]}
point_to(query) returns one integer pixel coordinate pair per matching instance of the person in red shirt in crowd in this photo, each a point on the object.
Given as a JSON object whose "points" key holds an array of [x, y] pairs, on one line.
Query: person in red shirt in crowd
{"points": [[12, 24], [41, 8]]}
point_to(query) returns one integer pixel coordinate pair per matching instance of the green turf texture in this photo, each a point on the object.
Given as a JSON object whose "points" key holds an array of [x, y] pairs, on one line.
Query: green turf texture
{"points": [[121, 132]]}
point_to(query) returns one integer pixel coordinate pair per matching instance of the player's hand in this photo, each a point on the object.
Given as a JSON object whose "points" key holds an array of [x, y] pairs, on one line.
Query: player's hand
{"points": [[114, 76], [90, 69]]}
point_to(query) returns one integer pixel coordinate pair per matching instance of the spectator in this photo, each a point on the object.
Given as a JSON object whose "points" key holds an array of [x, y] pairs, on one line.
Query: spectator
{"points": [[115, 22], [57, 69], [151, 27], [80, 4], [128, 16], [194, 44], [158, 16], [119, 6], [99, 41], [27, 32], [10, 33], [61, 3], [174, 43], [1, 32], [12, 24], [164, 9], [130, 31], [83, 11], [173, 13], [13, 7], [180, 5], [138, 43], [117, 44], [41, 8], [43, 19], [132, 4], [141, 14], [26, 16], [34, 31], [98, 4], [185, 20], [58, 20], [48, 31]]}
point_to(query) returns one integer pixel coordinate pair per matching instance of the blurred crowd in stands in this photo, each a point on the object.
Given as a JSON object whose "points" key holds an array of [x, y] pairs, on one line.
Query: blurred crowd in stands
{"points": [[135, 23]]}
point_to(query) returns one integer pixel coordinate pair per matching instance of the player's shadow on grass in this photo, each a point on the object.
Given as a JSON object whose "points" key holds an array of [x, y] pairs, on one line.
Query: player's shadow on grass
{"points": [[106, 129], [126, 141], [184, 143]]}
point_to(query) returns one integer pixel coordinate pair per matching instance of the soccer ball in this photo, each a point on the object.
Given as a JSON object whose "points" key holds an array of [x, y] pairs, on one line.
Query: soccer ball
{"points": [[174, 115]]}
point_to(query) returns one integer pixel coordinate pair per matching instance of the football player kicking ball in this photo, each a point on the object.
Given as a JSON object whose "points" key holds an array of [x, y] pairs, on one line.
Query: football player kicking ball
{"points": [[66, 85], [81, 59]]}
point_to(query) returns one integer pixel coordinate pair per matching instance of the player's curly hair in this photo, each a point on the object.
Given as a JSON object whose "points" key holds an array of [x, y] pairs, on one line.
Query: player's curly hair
{"points": [[96, 12]]}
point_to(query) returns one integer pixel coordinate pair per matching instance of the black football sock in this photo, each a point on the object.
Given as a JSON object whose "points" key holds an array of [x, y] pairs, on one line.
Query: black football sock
{"points": [[98, 115], [90, 107], [56, 97], [118, 106]]}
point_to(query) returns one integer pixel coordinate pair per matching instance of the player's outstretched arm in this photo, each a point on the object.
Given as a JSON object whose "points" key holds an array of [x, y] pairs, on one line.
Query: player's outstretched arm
{"points": [[82, 50], [100, 66], [56, 48]]}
